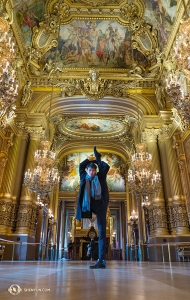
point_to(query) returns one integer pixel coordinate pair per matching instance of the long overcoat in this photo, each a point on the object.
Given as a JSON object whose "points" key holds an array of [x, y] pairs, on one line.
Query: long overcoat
{"points": [[103, 170]]}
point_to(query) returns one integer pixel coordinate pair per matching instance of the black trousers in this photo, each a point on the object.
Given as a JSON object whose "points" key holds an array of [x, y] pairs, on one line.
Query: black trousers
{"points": [[99, 208]]}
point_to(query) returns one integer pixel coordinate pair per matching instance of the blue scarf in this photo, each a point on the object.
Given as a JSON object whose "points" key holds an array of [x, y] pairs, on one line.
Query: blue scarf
{"points": [[92, 189]]}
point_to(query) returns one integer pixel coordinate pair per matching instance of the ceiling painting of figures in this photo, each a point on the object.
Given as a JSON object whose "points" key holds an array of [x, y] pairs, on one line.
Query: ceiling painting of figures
{"points": [[70, 171], [29, 13], [161, 15], [93, 125], [103, 44]]}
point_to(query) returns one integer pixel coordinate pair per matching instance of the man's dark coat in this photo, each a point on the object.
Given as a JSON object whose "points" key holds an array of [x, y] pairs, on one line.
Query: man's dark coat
{"points": [[103, 170]]}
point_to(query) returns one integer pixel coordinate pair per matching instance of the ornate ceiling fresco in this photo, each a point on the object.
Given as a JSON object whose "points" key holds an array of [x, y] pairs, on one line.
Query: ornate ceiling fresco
{"points": [[58, 36], [116, 53]]}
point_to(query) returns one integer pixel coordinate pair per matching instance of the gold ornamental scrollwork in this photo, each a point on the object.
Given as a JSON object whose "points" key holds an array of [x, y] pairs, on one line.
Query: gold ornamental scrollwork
{"points": [[93, 87], [61, 9], [96, 3]]}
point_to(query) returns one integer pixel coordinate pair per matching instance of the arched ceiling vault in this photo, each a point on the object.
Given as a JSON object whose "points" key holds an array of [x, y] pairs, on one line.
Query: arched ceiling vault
{"points": [[133, 106]]}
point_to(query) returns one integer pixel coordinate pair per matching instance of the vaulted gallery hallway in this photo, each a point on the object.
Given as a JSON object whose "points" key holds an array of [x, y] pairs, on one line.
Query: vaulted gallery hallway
{"points": [[73, 280]]}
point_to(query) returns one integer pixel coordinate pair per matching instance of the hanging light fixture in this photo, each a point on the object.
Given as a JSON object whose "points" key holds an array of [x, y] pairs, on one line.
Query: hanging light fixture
{"points": [[44, 177], [182, 47], [140, 179], [180, 101], [8, 85], [8, 96]]}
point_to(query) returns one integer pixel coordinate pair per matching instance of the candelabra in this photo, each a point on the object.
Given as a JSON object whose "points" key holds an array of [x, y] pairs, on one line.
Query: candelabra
{"points": [[44, 178], [180, 101], [140, 179], [7, 46], [182, 47]]}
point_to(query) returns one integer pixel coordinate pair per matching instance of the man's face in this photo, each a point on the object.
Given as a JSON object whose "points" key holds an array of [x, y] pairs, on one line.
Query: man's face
{"points": [[91, 172]]}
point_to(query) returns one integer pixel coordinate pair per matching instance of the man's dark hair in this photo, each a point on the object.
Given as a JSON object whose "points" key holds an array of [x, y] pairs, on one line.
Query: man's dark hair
{"points": [[91, 165]]}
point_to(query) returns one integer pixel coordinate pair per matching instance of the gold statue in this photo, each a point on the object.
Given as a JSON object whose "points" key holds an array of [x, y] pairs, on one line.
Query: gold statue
{"points": [[27, 93], [93, 88]]}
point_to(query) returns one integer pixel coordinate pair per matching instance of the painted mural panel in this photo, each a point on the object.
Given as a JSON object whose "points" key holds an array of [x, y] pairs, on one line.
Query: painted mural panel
{"points": [[161, 15], [104, 44], [29, 13], [94, 125], [70, 171]]}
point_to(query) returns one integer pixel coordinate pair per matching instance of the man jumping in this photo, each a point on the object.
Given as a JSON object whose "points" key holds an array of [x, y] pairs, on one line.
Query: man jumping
{"points": [[94, 197]]}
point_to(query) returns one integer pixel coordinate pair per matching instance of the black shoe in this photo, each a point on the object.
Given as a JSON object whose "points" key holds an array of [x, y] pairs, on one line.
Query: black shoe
{"points": [[100, 264]]}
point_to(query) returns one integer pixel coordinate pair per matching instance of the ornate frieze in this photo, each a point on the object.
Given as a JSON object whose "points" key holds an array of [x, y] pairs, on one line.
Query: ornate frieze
{"points": [[7, 213], [96, 3], [24, 215]]}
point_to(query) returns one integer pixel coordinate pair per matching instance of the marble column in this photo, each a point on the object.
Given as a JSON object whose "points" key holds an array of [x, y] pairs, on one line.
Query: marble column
{"points": [[159, 216], [173, 186], [27, 212], [181, 159], [7, 201]]}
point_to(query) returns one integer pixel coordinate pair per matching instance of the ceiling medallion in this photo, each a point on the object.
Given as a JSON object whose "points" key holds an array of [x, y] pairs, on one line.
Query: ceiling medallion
{"points": [[93, 87]]}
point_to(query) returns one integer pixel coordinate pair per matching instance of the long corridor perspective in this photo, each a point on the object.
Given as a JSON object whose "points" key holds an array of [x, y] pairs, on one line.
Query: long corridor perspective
{"points": [[70, 280]]}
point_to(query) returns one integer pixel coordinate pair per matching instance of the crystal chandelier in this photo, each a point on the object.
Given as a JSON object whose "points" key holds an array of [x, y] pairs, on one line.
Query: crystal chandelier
{"points": [[8, 86], [182, 47], [8, 96], [4, 26], [44, 178], [180, 101], [141, 158], [7, 46], [140, 179]]}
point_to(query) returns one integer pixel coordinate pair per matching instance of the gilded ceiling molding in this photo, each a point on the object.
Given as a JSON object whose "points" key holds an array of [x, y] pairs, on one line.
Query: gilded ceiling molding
{"points": [[96, 3], [61, 12], [121, 132]]}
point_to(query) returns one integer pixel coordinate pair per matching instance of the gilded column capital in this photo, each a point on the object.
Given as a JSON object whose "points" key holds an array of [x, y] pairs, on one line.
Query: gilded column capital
{"points": [[19, 129], [150, 135], [36, 133], [166, 132]]}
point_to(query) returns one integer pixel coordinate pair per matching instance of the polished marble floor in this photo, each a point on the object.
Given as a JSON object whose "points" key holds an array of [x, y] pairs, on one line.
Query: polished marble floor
{"points": [[73, 280]]}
